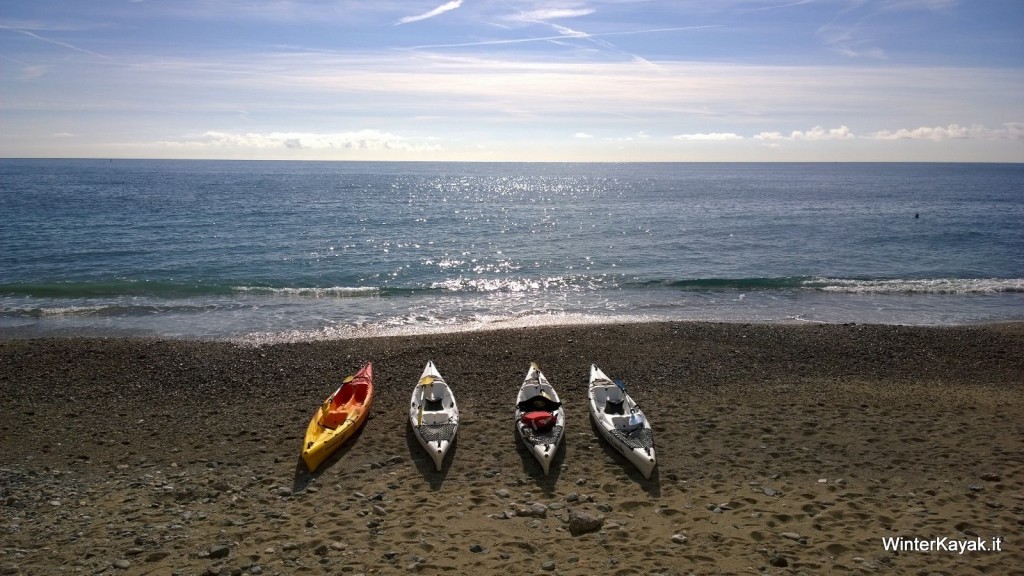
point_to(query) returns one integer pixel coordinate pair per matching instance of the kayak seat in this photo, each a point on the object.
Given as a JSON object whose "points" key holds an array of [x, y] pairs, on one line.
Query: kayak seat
{"points": [[434, 418], [334, 418], [614, 400], [433, 405]]}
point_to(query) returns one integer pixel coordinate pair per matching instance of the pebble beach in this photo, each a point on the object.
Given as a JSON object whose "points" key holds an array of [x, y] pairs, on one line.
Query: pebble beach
{"points": [[782, 449]]}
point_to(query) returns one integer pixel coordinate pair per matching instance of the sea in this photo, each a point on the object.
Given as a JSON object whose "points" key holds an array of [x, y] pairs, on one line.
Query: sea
{"points": [[263, 252]]}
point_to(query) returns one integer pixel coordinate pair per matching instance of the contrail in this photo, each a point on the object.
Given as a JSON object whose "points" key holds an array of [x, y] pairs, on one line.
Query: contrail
{"points": [[58, 43], [576, 35]]}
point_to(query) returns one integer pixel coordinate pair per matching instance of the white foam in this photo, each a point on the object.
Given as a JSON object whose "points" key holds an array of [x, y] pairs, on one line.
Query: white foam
{"points": [[332, 292], [930, 286], [427, 326], [71, 310]]}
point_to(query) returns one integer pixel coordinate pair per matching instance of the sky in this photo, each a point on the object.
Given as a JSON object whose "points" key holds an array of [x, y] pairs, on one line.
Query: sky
{"points": [[514, 80]]}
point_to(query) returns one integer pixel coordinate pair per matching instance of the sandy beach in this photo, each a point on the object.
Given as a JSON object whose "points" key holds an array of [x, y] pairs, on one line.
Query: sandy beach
{"points": [[782, 449]]}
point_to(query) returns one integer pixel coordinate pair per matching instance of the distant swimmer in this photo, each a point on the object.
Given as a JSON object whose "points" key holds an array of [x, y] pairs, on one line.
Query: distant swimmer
{"points": [[917, 215]]}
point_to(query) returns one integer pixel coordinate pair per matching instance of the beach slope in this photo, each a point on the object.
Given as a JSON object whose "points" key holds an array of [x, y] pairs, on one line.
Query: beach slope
{"points": [[781, 449]]}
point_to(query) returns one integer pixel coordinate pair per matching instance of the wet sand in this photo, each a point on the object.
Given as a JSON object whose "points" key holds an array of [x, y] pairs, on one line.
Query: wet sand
{"points": [[782, 449]]}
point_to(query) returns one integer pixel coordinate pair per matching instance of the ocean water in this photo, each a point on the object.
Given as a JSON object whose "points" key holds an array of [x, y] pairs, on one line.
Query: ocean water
{"points": [[288, 251]]}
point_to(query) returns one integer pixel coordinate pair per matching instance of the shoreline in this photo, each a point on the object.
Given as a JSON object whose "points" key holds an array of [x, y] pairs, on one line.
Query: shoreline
{"points": [[782, 448], [261, 338]]}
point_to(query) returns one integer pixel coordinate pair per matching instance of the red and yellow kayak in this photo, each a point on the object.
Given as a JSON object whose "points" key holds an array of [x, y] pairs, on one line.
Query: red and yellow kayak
{"points": [[338, 418]]}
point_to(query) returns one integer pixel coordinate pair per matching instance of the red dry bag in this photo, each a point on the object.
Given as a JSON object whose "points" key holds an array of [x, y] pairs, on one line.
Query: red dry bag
{"points": [[539, 420]]}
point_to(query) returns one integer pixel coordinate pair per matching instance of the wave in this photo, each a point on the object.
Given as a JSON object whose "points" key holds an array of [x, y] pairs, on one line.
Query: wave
{"points": [[102, 310], [919, 286], [110, 288], [315, 292], [714, 284], [589, 283], [171, 290], [138, 294], [848, 285]]}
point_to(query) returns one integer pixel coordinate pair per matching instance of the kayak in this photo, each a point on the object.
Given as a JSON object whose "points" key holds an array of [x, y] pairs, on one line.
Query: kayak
{"points": [[434, 415], [620, 421], [338, 418], [540, 418]]}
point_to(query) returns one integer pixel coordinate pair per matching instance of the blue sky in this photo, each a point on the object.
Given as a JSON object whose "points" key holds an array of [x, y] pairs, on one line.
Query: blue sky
{"points": [[586, 80]]}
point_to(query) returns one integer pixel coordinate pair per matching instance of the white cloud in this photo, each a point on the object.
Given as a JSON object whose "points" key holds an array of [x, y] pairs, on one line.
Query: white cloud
{"points": [[448, 6], [819, 133], [359, 140], [467, 98], [1009, 131], [815, 134], [712, 136], [937, 133], [583, 135]]}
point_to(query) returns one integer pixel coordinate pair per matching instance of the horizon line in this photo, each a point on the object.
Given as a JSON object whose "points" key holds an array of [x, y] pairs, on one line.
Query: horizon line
{"points": [[415, 161]]}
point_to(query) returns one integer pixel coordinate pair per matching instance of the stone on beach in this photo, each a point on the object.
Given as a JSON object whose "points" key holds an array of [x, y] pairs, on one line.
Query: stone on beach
{"points": [[532, 511], [581, 522], [220, 551]]}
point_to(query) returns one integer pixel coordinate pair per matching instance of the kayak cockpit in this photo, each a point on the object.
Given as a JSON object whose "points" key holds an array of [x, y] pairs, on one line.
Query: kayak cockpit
{"points": [[338, 407], [539, 403]]}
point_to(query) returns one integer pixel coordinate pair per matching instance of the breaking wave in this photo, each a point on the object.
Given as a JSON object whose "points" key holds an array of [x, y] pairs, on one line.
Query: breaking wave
{"points": [[849, 285]]}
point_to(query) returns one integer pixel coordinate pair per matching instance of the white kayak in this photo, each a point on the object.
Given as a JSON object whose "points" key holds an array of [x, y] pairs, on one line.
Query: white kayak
{"points": [[540, 418], [434, 415], [621, 421]]}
